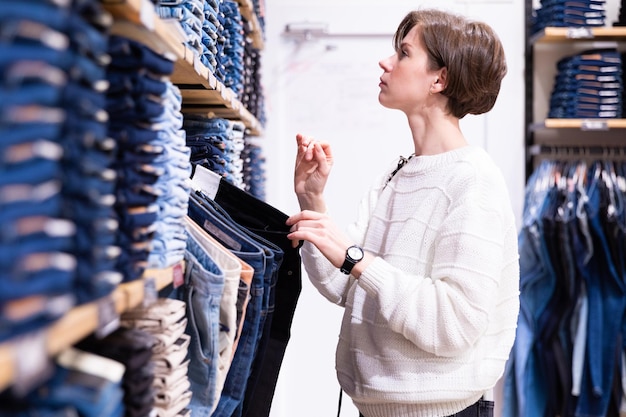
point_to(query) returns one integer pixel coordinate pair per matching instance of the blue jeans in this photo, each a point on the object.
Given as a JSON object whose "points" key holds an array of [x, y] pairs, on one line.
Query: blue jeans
{"points": [[250, 252], [90, 395], [606, 289], [268, 222], [204, 284], [525, 392]]}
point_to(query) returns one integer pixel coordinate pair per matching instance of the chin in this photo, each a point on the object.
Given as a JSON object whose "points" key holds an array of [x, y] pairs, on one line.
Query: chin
{"points": [[383, 103]]}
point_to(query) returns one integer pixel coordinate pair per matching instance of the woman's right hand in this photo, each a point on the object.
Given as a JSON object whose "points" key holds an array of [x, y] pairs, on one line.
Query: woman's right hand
{"points": [[313, 163]]}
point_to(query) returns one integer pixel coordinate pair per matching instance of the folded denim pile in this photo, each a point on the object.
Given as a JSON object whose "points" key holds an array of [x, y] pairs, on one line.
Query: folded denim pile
{"points": [[166, 321], [254, 177], [215, 32], [216, 144], [152, 162], [57, 223], [133, 349], [79, 383], [589, 85], [569, 13]]}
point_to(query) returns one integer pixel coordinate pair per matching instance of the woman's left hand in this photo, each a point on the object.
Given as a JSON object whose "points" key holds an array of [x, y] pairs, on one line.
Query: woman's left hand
{"points": [[320, 230]]}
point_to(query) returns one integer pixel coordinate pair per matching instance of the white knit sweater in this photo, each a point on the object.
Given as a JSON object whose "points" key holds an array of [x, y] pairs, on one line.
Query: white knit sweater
{"points": [[428, 327]]}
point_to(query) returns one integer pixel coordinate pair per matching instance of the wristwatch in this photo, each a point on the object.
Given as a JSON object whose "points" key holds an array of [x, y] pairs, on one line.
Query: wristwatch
{"points": [[353, 255]]}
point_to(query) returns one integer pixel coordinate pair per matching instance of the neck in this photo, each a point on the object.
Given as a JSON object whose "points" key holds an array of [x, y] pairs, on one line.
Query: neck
{"points": [[434, 135]]}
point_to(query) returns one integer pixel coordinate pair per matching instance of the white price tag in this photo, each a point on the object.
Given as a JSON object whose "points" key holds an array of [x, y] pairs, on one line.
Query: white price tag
{"points": [[594, 125], [579, 33]]}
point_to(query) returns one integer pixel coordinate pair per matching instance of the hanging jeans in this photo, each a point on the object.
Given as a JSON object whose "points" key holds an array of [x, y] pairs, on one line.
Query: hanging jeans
{"points": [[252, 253]]}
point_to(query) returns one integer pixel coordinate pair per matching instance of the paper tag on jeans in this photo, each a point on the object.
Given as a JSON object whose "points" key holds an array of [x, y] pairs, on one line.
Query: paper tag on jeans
{"points": [[206, 180], [108, 319]]}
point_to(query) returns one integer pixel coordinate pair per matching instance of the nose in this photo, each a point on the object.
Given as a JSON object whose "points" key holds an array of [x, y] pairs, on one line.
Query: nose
{"points": [[386, 63]]}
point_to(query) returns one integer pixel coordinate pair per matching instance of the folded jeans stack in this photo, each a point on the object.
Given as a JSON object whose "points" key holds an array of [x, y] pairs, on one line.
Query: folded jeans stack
{"points": [[588, 85], [57, 239], [166, 320], [569, 13]]}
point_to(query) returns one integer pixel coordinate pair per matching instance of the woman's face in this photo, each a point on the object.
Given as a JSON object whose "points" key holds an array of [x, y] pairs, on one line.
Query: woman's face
{"points": [[407, 79]]}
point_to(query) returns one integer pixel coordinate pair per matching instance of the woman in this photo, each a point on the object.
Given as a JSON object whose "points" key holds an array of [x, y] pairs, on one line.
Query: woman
{"points": [[428, 273]]}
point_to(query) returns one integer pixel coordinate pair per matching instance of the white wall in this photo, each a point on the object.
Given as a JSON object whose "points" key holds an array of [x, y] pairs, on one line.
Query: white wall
{"points": [[328, 88]]}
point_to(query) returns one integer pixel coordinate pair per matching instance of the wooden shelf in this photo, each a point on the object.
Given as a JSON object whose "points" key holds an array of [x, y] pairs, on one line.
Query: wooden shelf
{"points": [[138, 20], [582, 124], [569, 34], [84, 319]]}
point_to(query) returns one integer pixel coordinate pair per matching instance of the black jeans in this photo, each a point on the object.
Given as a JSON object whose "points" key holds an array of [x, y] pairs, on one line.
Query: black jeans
{"points": [[481, 408]]}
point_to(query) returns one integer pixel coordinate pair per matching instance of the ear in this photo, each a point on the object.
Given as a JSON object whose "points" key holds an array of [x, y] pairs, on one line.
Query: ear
{"points": [[440, 81]]}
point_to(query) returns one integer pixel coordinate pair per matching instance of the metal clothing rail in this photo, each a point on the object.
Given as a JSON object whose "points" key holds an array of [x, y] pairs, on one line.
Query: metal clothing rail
{"points": [[579, 152], [309, 31]]}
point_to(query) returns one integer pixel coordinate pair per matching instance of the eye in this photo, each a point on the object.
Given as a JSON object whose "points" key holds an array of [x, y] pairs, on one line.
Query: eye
{"points": [[402, 53]]}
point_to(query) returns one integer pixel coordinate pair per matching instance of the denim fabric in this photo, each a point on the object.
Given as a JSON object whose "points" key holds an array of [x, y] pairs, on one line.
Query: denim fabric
{"points": [[609, 302], [569, 13], [568, 361], [151, 154], [266, 221], [54, 58], [248, 250], [228, 319], [588, 85], [190, 23], [89, 394], [174, 161], [204, 286], [134, 349], [525, 393], [233, 51], [217, 144]]}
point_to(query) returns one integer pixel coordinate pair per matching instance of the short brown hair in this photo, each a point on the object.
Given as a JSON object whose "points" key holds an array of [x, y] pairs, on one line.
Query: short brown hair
{"points": [[471, 52]]}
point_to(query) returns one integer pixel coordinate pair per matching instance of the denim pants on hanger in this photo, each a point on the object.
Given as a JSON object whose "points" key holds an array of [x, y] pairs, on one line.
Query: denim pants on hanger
{"points": [[253, 254], [267, 221], [202, 291], [273, 260], [606, 291]]}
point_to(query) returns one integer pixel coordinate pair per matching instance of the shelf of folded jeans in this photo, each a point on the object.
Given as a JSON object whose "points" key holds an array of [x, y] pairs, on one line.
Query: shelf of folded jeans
{"points": [[568, 34], [249, 15], [81, 321], [582, 124], [137, 19], [219, 103]]}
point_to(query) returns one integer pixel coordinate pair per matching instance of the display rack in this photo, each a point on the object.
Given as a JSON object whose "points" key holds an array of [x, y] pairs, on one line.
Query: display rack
{"points": [[556, 42], [80, 322], [22, 356], [201, 91]]}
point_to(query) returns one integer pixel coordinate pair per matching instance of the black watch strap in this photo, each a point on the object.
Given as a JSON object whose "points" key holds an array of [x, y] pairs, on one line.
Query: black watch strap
{"points": [[353, 255]]}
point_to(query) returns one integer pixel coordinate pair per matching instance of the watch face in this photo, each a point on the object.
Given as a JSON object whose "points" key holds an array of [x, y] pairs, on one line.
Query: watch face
{"points": [[355, 253]]}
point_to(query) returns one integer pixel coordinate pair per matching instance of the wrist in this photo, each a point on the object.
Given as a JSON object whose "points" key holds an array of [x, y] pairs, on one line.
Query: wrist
{"points": [[312, 202]]}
